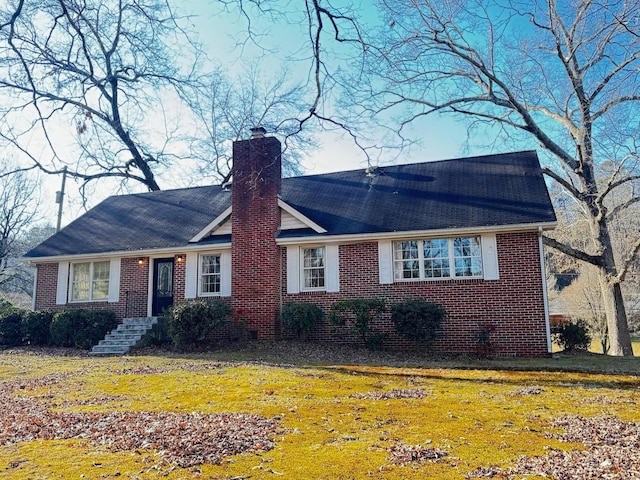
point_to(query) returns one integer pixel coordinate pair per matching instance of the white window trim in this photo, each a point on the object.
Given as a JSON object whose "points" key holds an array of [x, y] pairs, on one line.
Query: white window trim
{"points": [[295, 273], [193, 274], [420, 259], [199, 281], [91, 281], [304, 288]]}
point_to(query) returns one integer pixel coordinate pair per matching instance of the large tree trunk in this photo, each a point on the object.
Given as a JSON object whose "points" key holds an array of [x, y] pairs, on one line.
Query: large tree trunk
{"points": [[612, 300], [619, 338]]}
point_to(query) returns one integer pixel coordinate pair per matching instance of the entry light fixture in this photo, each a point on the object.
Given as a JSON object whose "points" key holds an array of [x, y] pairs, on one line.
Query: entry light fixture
{"points": [[179, 259], [141, 261]]}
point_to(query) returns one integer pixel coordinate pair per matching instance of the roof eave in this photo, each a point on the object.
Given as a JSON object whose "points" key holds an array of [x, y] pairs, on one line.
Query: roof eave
{"points": [[149, 252], [361, 237]]}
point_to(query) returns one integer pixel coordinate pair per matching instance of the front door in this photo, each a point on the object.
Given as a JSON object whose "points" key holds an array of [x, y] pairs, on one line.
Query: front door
{"points": [[162, 285]]}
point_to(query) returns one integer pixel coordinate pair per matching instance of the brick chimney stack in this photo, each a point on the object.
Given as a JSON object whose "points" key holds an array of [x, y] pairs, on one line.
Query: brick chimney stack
{"points": [[255, 220]]}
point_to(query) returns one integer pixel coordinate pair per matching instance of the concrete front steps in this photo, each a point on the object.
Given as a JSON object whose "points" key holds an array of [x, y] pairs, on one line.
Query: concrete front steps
{"points": [[120, 340]]}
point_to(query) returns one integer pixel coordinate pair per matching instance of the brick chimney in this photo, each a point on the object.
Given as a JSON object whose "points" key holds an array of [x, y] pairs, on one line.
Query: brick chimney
{"points": [[255, 220]]}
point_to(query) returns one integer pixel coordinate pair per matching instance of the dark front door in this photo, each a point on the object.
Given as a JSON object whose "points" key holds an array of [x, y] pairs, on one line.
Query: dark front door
{"points": [[162, 285]]}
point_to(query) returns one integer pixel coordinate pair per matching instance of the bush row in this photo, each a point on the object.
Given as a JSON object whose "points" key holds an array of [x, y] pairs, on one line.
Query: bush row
{"points": [[190, 325], [194, 324], [79, 328]]}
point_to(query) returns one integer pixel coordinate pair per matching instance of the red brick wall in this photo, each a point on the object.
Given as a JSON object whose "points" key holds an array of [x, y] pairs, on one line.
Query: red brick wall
{"points": [[255, 257], [513, 305], [133, 290]]}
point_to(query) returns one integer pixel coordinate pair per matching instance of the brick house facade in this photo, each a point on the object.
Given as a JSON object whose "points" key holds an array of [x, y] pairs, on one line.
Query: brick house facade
{"points": [[463, 233]]}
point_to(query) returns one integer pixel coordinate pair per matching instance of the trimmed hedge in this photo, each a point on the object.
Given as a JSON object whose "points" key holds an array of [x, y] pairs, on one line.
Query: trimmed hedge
{"points": [[11, 327], [417, 319], [359, 313], [36, 327], [191, 325], [81, 328], [301, 318], [572, 336]]}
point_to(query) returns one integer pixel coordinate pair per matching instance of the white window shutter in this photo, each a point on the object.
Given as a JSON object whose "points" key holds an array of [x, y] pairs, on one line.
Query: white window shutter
{"points": [[332, 269], [114, 280], [490, 257], [191, 275], [293, 269], [225, 274], [63, 283], [385, 261]]}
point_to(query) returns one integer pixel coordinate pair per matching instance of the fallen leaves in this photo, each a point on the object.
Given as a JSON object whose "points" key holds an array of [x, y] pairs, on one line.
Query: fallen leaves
{"points": [[391, 394], [403, 454], [183, 439], [612, 453]]}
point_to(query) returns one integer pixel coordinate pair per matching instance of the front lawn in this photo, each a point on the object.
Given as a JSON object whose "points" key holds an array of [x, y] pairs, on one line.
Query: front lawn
{"points": [[296, 411]]}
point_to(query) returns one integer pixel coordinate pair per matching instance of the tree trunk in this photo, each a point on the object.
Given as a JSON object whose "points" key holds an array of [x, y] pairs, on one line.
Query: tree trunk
{"points": [[618, 330]]}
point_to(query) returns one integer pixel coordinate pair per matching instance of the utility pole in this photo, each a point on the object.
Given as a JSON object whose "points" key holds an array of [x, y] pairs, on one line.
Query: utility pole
{"points": [[60, 198]]}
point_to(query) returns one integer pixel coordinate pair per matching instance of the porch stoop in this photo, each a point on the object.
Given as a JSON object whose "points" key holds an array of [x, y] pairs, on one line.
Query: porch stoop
{"points": [[120, 340]]}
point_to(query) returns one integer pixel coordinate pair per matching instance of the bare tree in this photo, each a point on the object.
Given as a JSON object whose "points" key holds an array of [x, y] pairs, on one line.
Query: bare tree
{"points": [[92, 81], [225, 109], [562, 74], [18, 206]]}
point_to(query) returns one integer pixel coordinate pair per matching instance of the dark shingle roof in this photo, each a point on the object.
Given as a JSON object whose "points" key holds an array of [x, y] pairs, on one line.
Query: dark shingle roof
{"points": [[492, 190]]}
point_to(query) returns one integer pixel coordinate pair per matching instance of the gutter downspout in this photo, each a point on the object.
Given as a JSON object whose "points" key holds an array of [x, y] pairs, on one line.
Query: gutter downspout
{"points": [[545, 296]]}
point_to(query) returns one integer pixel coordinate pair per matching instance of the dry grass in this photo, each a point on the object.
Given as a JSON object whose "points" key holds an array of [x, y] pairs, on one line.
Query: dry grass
{"points": [[343, 413]]}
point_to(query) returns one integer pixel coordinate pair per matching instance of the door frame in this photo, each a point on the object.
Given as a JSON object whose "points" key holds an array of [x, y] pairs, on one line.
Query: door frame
{"points": [[152, 277]]}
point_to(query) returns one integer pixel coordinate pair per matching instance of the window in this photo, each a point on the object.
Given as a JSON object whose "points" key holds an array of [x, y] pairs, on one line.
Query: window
{"points": [[210, 275], [313, 268], [437, 258], [90, 281]]}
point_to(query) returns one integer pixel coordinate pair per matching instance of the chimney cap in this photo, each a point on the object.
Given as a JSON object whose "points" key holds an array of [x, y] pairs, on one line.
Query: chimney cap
{"points": [[258, 132]]}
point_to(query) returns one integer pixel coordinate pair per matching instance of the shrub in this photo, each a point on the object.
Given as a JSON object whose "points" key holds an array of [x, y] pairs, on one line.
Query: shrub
{"points": [[36, 327], [10, 326], [572, 335], [358, 313], [417, 319], [99, 323], [376, 341], [81, 328], [158, 335], [301, 318], [485, 343], [190, 324]]}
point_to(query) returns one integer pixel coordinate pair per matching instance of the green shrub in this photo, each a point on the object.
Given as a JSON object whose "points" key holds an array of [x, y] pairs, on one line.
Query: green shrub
{"points": [[417, 319], [158, 335], [10, 326], [6, 306], [191, 324], [301, 318], [99, 323], [572, 335], [36, 327], [358, 313], [81, 328], [376, 341]]}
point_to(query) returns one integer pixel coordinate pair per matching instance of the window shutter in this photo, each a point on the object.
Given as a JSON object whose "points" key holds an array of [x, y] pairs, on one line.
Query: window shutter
{"points": [[114, 280], [225, 274], [190, 275], [332, 269], [385, 261], [490, 257], [63, 283], [293, 269]]}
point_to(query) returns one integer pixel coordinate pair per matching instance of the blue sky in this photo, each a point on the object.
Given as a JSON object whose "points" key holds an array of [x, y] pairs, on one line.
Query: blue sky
{"points": [[285, 43]]}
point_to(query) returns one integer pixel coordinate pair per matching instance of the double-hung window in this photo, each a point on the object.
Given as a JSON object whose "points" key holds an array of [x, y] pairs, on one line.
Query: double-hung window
{"points": [[210, 275], [313, 268], [90, 281], [437, 258]]}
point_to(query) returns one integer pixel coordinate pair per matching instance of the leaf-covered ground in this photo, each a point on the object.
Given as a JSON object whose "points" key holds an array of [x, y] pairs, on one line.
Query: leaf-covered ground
{"points": [[297, 411]]}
